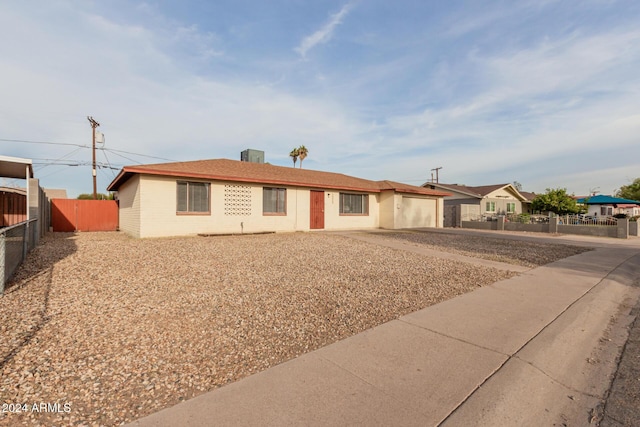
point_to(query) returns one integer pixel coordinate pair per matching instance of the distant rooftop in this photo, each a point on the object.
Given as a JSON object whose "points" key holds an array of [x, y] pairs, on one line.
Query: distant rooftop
{"points": [[601, 199]]}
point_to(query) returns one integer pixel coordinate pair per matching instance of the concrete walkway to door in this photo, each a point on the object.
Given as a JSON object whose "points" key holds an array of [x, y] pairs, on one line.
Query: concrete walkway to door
{"points": [[537, 349]]}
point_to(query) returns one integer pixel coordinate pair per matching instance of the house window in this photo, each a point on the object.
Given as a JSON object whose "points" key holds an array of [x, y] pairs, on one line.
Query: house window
{"points": [[274, 201], [511, 208], [606, 210], [491, 207], [354, 204], [193, 197]]}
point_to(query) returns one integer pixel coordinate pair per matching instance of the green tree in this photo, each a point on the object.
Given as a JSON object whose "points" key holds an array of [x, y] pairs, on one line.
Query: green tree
{"points": [[556, 201], [99, 196], [294, 155], [631, 191], [302, 152]]}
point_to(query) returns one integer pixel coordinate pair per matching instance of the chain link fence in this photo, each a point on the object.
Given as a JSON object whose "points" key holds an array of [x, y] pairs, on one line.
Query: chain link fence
{"points": [[15, 242]]}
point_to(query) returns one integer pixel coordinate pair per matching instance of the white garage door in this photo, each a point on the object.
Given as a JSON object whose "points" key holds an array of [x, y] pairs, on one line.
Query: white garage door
{"points": [[418, 212]]}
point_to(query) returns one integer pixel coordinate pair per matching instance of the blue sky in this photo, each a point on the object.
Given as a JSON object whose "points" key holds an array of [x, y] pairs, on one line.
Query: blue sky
{"points": [[546, 93]]}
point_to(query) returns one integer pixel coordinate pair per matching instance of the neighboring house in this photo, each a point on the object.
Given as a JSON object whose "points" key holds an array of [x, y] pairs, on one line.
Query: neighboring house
{"points": [[602, 205], [629, 209], [228, 196], [526, 204], [500, 199], [55, 193]]}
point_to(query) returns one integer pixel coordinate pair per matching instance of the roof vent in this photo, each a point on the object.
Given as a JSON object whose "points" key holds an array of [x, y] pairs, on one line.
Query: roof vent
{"points": [[252, 156]]}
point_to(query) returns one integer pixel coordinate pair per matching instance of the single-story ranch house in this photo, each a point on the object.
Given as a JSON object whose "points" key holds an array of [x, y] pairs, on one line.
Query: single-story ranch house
{"points": [[470, 203], [607, 205], [228, 196], [499, 199]]}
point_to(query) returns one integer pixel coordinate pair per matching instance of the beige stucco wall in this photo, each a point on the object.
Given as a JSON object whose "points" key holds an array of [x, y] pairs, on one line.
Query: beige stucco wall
{"points": [[387, 210], [411, 211], [129, 206], [148, 209], [334, 221], [159, 216]]}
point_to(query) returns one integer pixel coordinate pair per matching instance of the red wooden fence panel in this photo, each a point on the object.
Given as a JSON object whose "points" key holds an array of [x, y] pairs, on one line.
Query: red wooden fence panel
{"points": [[13, 208], [84, 215]]}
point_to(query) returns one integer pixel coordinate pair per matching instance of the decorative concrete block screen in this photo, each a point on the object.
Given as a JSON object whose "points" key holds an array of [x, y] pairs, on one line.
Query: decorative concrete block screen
{"points": [[237, 200]]}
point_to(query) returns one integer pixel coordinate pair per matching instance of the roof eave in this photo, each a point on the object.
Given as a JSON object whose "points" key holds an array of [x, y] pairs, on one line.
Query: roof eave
{"points": [[422, 193], [122, 177], [126, 173]]}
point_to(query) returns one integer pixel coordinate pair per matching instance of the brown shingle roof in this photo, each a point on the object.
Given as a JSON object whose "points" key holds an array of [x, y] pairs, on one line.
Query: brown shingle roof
{"points": [[483, 190], [527, 195], [233, 170], [456, 187]]}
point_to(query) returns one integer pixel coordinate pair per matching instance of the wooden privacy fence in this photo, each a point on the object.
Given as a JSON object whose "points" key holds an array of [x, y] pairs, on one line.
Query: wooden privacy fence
{"points": [[13, 208], [84, 215]]}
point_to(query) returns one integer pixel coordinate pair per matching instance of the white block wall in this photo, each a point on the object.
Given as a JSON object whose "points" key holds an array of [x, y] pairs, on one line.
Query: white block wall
{"points": [[148, 209]]}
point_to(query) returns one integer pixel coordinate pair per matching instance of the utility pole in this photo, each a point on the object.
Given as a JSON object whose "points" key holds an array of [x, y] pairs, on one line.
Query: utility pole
{"points": [[437, 179], [94, 125]]}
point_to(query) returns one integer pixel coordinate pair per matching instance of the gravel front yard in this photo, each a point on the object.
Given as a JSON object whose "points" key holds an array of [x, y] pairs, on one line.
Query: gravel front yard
{"points": [[525, 253], [118, 328]]}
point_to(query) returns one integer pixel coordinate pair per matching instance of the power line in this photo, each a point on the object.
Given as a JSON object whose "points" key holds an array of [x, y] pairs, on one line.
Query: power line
{"points": [[109, 163], [53, 172], [76, 163], [62, 158], [124, 157], [25, 141], [135, 154]]}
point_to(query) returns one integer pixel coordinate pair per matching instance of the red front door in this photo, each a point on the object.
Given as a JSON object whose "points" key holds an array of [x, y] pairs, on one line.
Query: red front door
{"points": [[317, 210]]}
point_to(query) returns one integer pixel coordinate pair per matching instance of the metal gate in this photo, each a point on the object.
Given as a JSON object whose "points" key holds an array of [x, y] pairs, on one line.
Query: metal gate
{"points": [[84, 215], [451, 216]]}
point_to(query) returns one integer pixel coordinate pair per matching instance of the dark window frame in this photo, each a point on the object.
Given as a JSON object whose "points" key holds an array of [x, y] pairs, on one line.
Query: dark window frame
{"points": [[348, 197], [189, 198], [279, 190]]}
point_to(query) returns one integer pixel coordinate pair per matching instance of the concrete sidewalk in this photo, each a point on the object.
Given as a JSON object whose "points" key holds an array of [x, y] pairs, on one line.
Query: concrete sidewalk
{"points": [[536, 349]]}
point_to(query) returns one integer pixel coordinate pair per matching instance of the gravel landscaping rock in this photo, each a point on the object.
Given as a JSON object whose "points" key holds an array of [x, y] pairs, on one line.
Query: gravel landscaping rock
{"points": [[528, 254], [117, 328]]}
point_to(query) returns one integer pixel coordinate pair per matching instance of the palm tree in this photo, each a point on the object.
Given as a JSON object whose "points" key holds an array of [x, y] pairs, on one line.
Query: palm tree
{"points": [[294, 155], [302, 152]]}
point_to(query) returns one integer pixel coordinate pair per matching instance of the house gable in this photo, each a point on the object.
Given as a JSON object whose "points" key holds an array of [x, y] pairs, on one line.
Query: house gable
{"points": [[507, 192]]}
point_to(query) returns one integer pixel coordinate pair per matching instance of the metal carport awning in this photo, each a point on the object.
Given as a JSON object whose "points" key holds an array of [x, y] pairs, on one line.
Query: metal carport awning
{"points": [[15, 167]]}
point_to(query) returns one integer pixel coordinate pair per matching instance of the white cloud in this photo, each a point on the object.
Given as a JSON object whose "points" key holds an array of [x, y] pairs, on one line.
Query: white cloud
{"points": [[324, 34], [156, 87], [201, 43]]}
